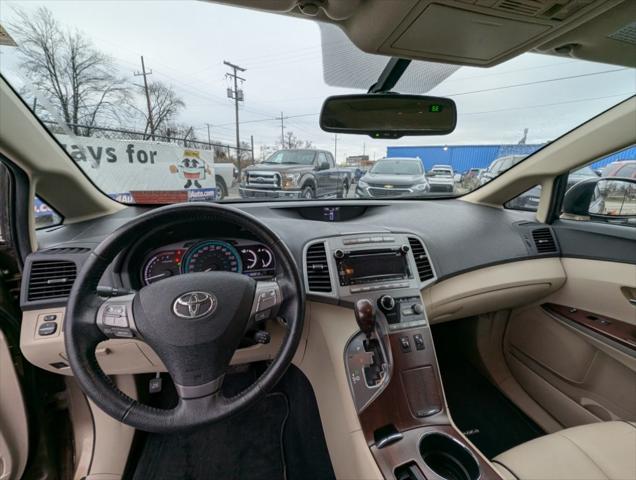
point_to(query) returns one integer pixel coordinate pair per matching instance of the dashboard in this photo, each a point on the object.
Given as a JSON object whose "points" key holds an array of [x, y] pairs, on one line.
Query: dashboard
{"points": [[237, 255]]}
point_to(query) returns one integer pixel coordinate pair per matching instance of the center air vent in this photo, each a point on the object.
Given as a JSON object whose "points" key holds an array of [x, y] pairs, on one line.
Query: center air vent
{"points": [[317, 268], [544, 241], [424, 268], [51, 279]]}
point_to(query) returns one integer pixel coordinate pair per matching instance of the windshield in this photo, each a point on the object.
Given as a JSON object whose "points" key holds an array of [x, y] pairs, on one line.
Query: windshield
{"points": [[286, 157], [216, 113], [397, 167]]}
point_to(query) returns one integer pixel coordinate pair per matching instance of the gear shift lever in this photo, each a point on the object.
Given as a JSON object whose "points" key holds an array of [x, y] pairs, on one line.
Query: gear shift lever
{"points": [[365, 316]]}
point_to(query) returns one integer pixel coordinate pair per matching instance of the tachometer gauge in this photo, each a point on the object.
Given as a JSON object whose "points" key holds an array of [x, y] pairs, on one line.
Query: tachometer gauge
{"points": [[250, 257], [212, 256], [162, 265]]}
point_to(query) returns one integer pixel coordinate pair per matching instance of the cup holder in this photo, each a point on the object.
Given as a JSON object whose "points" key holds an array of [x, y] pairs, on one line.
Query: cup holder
{"points": [[448, 458]]}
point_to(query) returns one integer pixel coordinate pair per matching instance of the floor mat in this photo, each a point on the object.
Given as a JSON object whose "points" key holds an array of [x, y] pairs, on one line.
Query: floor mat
{"points": [[493, 423], [279, 437]]}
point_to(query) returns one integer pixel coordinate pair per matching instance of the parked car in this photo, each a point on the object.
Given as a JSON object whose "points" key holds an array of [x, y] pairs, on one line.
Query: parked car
{"points": [[498, 166], [295, 174], [581, 174], [441, 178], [470, 180], [394, 177], [621, 168]]}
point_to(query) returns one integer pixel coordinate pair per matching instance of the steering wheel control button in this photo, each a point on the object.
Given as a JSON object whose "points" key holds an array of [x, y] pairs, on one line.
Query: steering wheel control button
{"points": [[113, 321], [115, 310], [122, 333], [419, 342], [47, 328], [266, 300]]}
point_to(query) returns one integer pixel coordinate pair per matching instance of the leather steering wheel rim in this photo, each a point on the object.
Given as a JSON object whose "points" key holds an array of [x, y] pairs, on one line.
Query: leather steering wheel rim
{"points": [[81, 333]]}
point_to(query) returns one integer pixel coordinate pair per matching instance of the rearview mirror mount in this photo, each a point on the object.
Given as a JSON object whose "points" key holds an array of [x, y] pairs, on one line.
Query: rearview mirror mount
{"points": [[388, 115]]}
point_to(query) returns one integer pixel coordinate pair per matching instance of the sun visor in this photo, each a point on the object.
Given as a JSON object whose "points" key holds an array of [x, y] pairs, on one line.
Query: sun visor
{"points": [[345, 65]]}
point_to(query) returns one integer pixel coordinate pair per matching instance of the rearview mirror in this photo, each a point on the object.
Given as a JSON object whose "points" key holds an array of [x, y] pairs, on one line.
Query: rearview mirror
{"points": [[388, 115], [609, 199]]}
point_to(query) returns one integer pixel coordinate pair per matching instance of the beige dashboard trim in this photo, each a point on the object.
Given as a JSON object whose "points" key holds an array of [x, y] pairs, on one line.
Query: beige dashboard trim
{"points": [[499, 287], [323, 364]]}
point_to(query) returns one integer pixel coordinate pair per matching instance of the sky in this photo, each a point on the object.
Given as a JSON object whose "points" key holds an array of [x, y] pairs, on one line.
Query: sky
{"points": [[185, 44]]}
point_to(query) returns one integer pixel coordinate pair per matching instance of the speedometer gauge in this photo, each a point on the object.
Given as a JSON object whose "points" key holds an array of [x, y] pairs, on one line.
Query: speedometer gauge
{"points": [[212, 256]]}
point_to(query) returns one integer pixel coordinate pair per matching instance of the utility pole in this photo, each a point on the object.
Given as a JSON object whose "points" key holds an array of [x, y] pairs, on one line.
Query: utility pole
{"points": [[237, 95], [209, 137], [335, 146], [252, 142], [364, 148], [145, 74], [282, 129]]}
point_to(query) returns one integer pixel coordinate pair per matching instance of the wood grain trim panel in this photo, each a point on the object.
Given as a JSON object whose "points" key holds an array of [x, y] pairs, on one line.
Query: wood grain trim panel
{"points": [[392, 405], [616, 330]]}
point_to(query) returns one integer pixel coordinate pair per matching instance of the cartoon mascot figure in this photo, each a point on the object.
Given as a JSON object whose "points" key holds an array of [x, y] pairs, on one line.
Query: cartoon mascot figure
{"points": [[192, 169]]}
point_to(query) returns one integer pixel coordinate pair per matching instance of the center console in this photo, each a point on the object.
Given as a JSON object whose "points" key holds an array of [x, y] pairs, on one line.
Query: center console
{"points": [[390, 363]]}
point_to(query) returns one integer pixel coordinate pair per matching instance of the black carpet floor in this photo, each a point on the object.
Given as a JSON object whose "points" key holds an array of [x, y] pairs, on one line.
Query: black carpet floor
{"points": [[279, 437], [493, 423]]}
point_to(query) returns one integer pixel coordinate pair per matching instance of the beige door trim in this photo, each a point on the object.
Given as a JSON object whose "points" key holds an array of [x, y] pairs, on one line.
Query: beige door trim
{"points": [[14, 438]]}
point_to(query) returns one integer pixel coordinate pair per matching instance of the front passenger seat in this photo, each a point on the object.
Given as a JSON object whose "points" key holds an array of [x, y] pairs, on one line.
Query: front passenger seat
{"points": [[598, 451]]}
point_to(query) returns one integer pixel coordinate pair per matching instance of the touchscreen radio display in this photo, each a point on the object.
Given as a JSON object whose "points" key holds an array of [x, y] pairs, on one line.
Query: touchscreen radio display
{"points": [[365, 267]]}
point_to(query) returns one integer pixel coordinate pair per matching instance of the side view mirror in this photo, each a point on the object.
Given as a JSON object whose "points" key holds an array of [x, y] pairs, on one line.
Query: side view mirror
{"points": [[322, 166], [607, 199]]}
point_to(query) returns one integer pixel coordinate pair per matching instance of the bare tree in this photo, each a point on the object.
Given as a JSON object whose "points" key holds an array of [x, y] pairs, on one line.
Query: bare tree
{"points": [[65, 67], [292, 141], [165, 106]]}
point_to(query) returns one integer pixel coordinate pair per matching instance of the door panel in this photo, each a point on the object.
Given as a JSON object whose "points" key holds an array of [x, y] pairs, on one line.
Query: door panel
{"points": [[13, 420], [575, 374]]}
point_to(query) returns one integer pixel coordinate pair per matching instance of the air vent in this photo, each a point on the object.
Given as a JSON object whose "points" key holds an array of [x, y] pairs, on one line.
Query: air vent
{"points": [[51, 279], [544, 241], [424, 268], [70, 250], [521, 7], [317, 267]]}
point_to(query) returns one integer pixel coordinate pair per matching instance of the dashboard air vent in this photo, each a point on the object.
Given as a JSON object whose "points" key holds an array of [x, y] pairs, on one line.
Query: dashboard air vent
{"points": [[51, 279], [317, 267], [424, 268], [544, 241], [521, 7]]}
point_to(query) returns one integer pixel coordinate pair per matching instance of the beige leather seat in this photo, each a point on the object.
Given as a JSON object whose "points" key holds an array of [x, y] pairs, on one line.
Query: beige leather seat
{"points": [[599, 451]]}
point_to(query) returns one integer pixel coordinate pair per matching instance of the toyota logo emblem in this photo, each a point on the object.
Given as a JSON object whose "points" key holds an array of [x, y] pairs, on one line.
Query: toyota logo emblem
{"points": [[193, 305]]}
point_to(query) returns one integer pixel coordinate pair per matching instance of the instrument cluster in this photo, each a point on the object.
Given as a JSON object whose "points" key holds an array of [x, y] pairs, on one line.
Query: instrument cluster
{"points": [[209, 255]]}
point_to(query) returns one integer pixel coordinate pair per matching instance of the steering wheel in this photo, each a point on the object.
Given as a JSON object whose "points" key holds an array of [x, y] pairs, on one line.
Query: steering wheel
{"points": [[193, 322]]}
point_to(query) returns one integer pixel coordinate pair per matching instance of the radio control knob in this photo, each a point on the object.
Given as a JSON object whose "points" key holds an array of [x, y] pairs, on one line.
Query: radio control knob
{"points": [[338, 253], [387, 303], [417, 308]]}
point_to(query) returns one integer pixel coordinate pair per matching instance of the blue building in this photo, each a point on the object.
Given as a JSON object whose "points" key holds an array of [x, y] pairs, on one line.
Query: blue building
{"points": [[463, 157]]}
